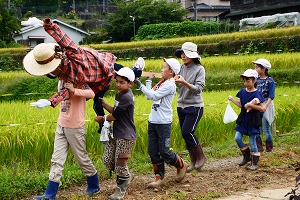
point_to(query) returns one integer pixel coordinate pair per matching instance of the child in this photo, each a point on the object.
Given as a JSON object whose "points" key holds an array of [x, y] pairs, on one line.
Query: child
{"points": [[160, 121], [266, 84], [70, 132], [118, 149], [248, 123]]}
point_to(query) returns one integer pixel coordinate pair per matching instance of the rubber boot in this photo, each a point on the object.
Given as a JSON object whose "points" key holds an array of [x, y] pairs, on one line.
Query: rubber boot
{"points": [[246, 155], [50, 192], [159, 171], [254, 163], [181, 167], [122, 186], [193, 161], [259, 144], [131, 177], [200, 157], [93, 185], [269, 146]]}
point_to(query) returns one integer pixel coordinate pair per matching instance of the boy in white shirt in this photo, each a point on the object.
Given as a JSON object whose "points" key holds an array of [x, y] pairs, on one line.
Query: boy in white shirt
{"points": [[160, 121]]}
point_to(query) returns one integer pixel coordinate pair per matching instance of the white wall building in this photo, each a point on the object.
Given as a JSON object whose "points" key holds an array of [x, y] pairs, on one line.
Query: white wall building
{"points": [[31, 35], [205, 10]]}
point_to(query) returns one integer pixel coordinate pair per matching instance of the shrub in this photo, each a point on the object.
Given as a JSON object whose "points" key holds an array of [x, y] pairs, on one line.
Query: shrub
{"points": [[7, 63]]}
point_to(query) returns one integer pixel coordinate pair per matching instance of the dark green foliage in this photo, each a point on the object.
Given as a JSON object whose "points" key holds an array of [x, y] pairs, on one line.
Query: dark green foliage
{"points": [[28, 14], [94, 38], [186, 28], [31, 87], [120, 26], [222, 48], [8, 24], [7, 63]]}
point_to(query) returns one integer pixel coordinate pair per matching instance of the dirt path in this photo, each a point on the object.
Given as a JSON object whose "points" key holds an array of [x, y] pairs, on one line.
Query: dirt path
{"points": [[222, 180]]}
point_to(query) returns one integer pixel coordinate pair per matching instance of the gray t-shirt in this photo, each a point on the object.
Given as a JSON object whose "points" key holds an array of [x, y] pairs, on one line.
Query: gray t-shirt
{"points": [[195, 75], [123, 126]]}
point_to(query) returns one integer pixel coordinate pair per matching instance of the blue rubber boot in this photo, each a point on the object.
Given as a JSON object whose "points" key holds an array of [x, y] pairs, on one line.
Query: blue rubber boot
{"points": [[50, 192], [93, 185]]}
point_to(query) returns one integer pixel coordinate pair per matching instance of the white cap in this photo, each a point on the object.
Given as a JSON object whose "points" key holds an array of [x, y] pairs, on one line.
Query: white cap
{"points": [[189, 49], [264, 62], [174, 64], [250, 73], [126, 72]]}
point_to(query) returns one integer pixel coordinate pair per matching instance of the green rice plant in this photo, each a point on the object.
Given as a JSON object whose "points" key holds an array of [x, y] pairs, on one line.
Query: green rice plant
{"points": [[27, 134], [222, 73], [204, 39], [19, 50], [27, 144]]}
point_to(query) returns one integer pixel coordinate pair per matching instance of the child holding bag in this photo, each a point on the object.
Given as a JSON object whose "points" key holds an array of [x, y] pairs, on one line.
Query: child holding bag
{"points": [[118, 149], [248, 123]]}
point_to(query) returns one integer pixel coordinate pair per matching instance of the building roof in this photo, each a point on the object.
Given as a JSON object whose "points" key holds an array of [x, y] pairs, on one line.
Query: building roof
{"points": [[30, 28], [260, 9], [203, 6]]}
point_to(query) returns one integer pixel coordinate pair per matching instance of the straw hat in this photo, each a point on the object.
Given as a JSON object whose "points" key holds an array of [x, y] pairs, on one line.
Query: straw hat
{"points": [[43, 59]]}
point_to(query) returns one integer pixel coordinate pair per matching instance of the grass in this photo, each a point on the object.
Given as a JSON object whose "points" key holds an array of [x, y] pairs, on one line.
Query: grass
{"points": [[222, 73], [26, 148]]}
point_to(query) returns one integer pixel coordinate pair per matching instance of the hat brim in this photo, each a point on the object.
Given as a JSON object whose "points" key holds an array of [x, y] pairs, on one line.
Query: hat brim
{"points": [[243, 75], [191, 54], [35, 69], [254, 62], [258, 63]]}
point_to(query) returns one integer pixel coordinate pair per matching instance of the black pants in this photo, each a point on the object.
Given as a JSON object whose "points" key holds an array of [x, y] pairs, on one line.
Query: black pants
{"points": [[189, 118]]}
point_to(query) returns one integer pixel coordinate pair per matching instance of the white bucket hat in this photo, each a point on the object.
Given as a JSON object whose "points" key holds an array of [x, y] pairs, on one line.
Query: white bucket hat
{"points": [[43, 59], [126, 72], [250, 73], [174, 64], [189, 49], [263, 62]]}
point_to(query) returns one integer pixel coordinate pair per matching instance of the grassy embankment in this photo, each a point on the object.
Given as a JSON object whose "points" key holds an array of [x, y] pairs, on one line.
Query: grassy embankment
{"points": [[27, 134], [27, 138]]}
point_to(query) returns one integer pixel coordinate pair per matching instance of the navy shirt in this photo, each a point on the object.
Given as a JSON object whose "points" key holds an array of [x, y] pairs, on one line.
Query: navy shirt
{"points": [[246, 97], [267, 87]]}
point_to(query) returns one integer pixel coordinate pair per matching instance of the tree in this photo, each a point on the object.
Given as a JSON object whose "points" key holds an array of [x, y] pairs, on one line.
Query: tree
{"points": [[121, 27], [9, 24]]}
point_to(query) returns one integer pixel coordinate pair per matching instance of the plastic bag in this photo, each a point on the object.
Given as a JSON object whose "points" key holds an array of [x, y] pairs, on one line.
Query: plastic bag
{"points": [[106, 131], [229, 115]]}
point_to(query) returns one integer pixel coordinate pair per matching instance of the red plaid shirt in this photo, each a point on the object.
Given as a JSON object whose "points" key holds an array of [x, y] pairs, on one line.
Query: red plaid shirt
{"points": [[80, 64]]}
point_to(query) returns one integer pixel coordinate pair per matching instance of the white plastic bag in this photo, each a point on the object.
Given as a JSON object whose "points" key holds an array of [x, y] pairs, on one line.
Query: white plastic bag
{"points": [[106, 131], [229, 115]]}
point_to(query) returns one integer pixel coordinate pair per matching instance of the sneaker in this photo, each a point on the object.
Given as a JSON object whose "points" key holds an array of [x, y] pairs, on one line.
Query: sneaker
{"points": [[140, 63], [181, 172], [158, 182]]}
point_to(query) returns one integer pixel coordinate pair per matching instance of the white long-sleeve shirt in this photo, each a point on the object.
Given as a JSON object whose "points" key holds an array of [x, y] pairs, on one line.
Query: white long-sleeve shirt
{"points": [[161, 112]]}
